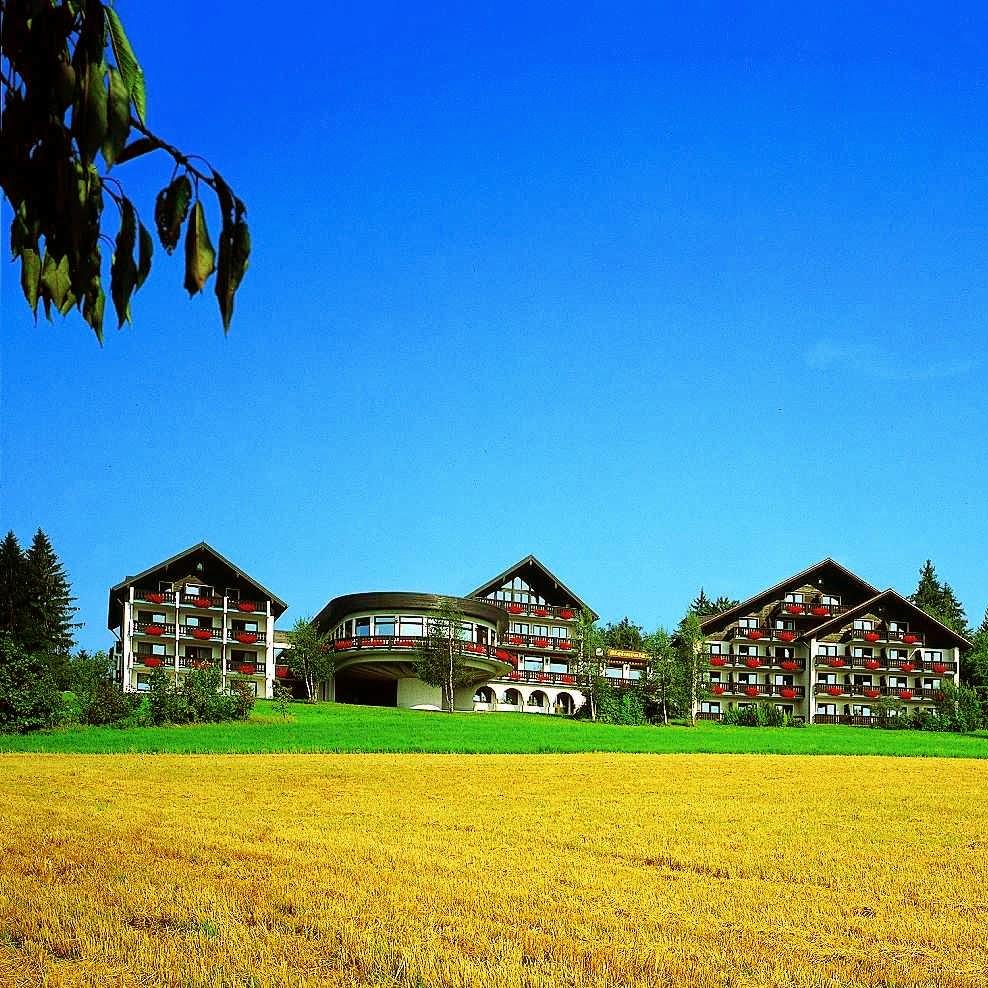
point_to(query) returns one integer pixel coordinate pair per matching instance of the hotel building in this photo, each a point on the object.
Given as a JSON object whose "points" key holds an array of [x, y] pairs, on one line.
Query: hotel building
{"points": [[827, 646], [196, 607]]}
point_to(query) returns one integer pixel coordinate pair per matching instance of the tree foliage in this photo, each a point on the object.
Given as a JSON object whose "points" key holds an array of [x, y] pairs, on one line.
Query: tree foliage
{"points": [[661, 674], [587, 666], [310, 658], [624, 634], [702, 606], [74, 95], [938, 599], [440, 659], [688, 676], [29, 699]]}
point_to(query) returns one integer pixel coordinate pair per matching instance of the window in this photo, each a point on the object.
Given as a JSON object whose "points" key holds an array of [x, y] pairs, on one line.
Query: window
{"points": [[747, 677], [198, 621], [245, 626], [716, 648], [533, 664], [710, 707], [409, 627], [747, 649], [860, 680], [898, 682], [715, 677], [932, 656], [250, 685], [781, 679], [782, 652], [634, 674], [931, 684], [559, 632], [540, 630], [143, 682], [362, 627], [557, 666], [785, 624], [795, 598], [864, 624], [157, 648], [900, 626], [151, 617], [193, 589], [897, 653], [862, 652], [829, 600], [860, 710], [384, 626], [519, 628], [465, 632], [827, 650], [827, 709], [748, 622], [827, 678], [612, 672]]}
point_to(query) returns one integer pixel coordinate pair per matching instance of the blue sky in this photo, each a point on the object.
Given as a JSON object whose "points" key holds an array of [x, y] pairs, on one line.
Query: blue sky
{"points": [[667, 295]]}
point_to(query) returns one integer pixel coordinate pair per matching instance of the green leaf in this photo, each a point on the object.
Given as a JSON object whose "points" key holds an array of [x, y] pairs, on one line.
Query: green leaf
{"points": [[118, 119], [200, 258], [92, 312], [130, 68], [123, 272], [170, 209], [136, 148], [93, 124], [145, 253], [30, 277], [55, 281]]}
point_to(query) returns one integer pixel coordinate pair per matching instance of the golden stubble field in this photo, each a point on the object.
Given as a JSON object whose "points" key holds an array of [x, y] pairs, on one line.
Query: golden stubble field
{"points": [[492, 871]]}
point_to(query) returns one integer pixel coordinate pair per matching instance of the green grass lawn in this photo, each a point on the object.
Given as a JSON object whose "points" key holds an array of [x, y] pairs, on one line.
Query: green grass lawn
{"points": [[330, 727]]}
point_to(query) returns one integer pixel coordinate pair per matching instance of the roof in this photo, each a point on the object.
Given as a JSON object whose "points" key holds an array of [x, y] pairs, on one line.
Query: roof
{"points": [[866, 606], [114, 605], [797, 579], [399, 600], [498, 581]]}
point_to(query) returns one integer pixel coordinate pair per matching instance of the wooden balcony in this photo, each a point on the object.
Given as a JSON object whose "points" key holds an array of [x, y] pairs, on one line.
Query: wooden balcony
{"points": [[850, 720], [200, 601], [154, 629], [157, 661], [406, 643], [199, 633], [540, 642], [538, 611], [811, 609], [155, 596], [536, 678]]}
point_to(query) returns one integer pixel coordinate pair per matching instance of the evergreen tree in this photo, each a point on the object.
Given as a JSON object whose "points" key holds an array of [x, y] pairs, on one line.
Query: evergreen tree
{"points": [[702, 606], [50, 628], [939, 600], [624, 634], [13, 587]]}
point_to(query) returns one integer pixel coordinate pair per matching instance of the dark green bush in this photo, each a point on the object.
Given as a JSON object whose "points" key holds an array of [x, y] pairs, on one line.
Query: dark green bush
{"points": [[29, 699]]}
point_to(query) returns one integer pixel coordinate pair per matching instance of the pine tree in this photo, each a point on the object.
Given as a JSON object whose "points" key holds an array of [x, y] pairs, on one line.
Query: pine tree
{"points": [[701, 604], [13, 587], [939, 600], [50, 629]]}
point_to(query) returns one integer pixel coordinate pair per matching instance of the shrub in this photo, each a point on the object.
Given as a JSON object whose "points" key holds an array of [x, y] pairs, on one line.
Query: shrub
{"points": [[29, 699], [758, 715], [108, 704], [198, 699]]}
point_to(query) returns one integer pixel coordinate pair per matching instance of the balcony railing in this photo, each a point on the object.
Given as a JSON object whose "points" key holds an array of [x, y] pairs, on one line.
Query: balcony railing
{"points": [[155, 596], [141, 658], [727, 660], [202, 601], [534, 677], [540, 641], [810, 608], [200, 633], [556, 613], [851, 720], [153, 628], [937, 667], [406, 643]]}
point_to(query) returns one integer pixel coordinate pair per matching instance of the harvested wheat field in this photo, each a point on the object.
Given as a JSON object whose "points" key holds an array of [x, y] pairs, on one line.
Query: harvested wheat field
{"points": [[492, 871]]}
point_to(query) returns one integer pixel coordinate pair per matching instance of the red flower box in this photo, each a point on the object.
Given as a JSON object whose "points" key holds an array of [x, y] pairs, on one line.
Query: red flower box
{"points": [[342, 644], [871, 636], [752, 663], [516, 639], [246, 669], [872, 693], [820, 610], [910, 639], [569, 680], [717, 690], [794, 608], [202, 633], [787, 636], [246, 637], [151, 661], [503, 655], [908, 666], [939, 668], [834, 690], [543, 677], [246, 605], [788, 692], [404, 643], [154, 629], [837, 663], [541, 642], [564, 643], [790, 665], [905, 694], [754, 634], [203, 601], [751, 691], [718, 660], [872, 664], [566, 614], [155, 598], [514, 675], [541, 612], [515, 608], [282, 672]]}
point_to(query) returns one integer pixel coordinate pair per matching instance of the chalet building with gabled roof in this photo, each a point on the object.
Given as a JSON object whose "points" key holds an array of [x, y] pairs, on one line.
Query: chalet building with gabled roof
{"points": [[195, 608], [827, 646]]}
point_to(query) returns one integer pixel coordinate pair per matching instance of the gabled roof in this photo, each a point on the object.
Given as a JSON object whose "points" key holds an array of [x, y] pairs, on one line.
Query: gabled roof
{"points": [[114, 607], [790, 583], [869, 606], [524, 567]]}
